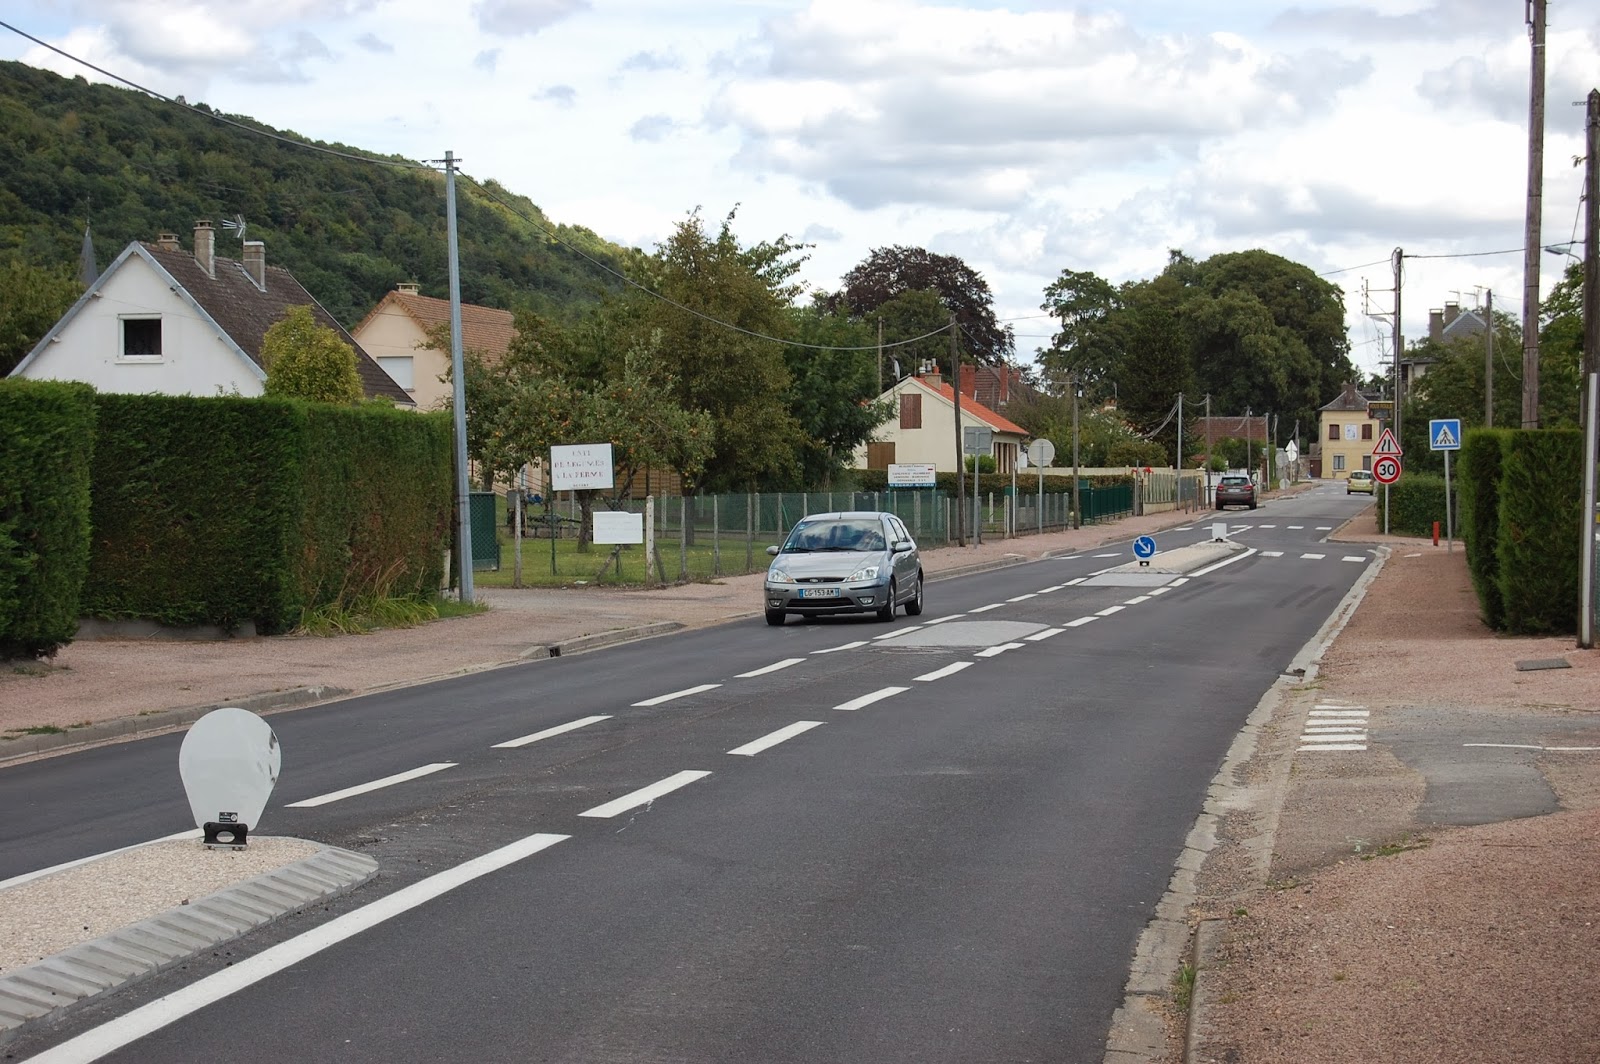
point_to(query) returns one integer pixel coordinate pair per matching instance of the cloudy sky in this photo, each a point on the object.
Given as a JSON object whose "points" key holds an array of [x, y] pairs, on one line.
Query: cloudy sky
{"points": [[1026, 137]]}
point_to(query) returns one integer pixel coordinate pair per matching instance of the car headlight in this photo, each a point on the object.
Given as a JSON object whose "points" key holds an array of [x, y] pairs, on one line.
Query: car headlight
{"points": [[866, 572], [778, 576]]}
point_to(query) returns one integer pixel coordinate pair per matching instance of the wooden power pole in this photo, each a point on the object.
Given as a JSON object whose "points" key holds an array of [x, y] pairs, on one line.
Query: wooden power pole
{"points": [[1488, 358], [1530, 249]]}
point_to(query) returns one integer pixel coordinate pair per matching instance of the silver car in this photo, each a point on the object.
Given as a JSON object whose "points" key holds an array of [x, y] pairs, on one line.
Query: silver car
{"points": [[835, 563]]}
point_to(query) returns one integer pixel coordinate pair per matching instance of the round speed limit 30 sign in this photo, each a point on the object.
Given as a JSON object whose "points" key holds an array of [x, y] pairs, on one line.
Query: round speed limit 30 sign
{"points": [[1386, 470]]}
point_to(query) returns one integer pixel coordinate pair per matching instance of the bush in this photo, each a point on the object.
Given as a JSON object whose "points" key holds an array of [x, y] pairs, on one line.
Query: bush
{"points": [[46, 447], [1477, 504], [1415, 503], [1540, 508]]}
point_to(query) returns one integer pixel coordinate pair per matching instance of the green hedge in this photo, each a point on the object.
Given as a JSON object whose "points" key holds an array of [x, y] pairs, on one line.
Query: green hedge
{"points": [[1478, 504], [46, 446], [1415, 503], [1540, 508], [225, 510]]}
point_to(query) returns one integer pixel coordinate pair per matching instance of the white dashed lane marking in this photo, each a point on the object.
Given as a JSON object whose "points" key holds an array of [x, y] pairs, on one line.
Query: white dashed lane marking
{"points": [[1109, 610], [771, 739], [1046, 634], [996, 651], [948, 670], [1020, 598], [685, 693], [1136, 601], [363, 788], [848, 646], [644, 795], [784, 664], [559, 729], [867, 700], [1272, 554], [986, 609], [1312, 557], [1353, 558], [1081, 621]]}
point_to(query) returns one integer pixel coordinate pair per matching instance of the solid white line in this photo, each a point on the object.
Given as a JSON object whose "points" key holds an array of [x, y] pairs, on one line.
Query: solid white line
{"points": [[843, 646], [1136, 601], [1081, 621], [573, 725], [1075, 581], [28, 877], [1019, 598], [772, 739], [948, 670], [774, 667], [867, 700], [387, 781], [1218, 565], [644, 795], [1159, 590], [1047, 590], [1342, 746], [147, 1019], [1504, 746], [1046, 634], [1354, 558], [986, 609], [1312, 557], [702, 688], [996, 651], [1109, 610]]}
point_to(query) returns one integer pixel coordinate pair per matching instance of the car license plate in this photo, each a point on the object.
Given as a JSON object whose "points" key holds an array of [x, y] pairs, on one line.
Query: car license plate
{"points": [[819, 592]]}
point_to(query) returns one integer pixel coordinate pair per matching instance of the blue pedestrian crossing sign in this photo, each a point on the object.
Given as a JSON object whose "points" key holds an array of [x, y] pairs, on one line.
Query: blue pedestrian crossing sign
{"points": [[1144, 547], [1444, 434]]}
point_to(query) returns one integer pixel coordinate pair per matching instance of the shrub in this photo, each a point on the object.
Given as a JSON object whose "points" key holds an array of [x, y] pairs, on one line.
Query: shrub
{"points": [[1538, 534], [46, 445], [1415, 503], [1477, 504]]}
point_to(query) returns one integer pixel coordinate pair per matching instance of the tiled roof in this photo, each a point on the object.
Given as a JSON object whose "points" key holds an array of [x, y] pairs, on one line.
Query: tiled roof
{"points": [[484, 329], [975, 408], [1350, 399], [245, 312]]}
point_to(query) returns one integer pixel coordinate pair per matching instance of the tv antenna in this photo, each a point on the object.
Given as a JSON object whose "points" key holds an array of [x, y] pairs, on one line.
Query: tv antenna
{"points": [[235, 225]]}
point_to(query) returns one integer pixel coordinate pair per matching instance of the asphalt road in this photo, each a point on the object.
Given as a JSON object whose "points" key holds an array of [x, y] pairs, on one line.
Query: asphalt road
{"points": [[922, 847]]}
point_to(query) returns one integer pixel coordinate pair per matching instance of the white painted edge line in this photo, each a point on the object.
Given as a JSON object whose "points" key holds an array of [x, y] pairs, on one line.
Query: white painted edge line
{"points": [[1046, 634], [948, 670], [774, 667], [1075, 581], [986, 609], [772, 739], [1081, 621], [844, 646], [1336, 747], [147, 1019], [996, 651], [1136, 601], [867, 700], [1047, 590], [1218, 565], [1499, 746], [686, 692], [644, 795], [559, 729], [363, 788], [1159, 591], [1354, 558], [1019, 598], [28, 877], [1312, 557], [941, 620], [1109, 610]]}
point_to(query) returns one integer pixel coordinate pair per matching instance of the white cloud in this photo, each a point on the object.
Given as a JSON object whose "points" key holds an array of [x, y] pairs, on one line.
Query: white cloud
{"points": [[524, 16]]}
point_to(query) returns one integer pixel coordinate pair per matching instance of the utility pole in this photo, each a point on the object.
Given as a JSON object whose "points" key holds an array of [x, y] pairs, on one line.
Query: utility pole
{"points": [[1591, 239], [961, 462], [1248, 436], [1180, 448], [1077, 515], [1488, 358], [1207, 482], [880, 355], [458, 395], [1535, 11], [1399, 341]]}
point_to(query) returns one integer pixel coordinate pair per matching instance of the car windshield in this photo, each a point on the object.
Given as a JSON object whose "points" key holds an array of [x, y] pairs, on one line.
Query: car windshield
{"points": [[834, 535], [1359, 475]]}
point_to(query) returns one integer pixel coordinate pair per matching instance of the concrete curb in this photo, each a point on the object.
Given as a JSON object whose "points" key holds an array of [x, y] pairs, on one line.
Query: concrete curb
{"points": [[38, 992]]}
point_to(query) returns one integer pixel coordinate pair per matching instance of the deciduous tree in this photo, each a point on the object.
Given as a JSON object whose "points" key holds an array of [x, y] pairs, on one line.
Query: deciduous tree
{"points": [[305, 360]]}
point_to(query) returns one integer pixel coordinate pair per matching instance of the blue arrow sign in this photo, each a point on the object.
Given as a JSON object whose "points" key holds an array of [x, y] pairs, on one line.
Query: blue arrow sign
{"points": [[1444, 434], [1144, 547]]}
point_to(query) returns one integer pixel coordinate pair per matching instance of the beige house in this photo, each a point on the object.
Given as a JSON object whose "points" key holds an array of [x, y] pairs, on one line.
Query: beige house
{"points": [[922, 428], [396, 333], [1348, 431]]}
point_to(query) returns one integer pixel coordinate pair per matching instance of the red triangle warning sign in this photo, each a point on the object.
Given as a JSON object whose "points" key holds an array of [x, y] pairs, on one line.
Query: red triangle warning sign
{"points": [[1387, 445]]}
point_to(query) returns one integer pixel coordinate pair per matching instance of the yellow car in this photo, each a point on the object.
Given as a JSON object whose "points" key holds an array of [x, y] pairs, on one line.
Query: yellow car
{"points": [[1360, 481]]}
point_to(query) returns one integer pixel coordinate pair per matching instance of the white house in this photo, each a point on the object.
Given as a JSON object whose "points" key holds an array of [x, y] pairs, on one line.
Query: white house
{"points": [[164, 320], [922, 429]]}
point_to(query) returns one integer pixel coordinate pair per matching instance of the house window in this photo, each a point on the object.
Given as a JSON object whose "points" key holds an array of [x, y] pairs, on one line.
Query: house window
{"points": [[1333, 432], [1366, 431], [141, 337], [1366, 462], [910, 411], [399, 369], [1338, 463]]}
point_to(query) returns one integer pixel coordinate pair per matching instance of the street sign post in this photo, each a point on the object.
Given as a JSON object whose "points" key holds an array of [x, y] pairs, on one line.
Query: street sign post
{"points": [[1144, 548], [1444, 434], [1041, 452], [1387, 445], [1386, 470], [1388, 449]]}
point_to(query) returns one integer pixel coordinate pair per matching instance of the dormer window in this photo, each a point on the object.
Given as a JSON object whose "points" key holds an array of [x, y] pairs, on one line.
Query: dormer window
{"points": [[141, 337]]}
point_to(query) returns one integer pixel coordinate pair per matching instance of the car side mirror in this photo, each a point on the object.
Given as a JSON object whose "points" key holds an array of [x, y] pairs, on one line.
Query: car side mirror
{"points": [[772, 552], [901, 546]]}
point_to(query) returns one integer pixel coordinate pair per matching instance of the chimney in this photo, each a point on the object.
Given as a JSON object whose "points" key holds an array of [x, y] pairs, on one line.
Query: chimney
{"points": [[167, 241], [1435, 324], [1452, 311], [205, 246], [255, 262], [930, 374], [408, 288]]}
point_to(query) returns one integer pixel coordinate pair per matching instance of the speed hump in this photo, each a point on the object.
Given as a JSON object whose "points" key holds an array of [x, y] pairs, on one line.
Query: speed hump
{"points": [[1386, 470]]}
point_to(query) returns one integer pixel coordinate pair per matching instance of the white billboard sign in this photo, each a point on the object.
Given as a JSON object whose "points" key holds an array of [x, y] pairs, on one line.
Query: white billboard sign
{"points": [[618, 526], [574, 467], [911, 475]]}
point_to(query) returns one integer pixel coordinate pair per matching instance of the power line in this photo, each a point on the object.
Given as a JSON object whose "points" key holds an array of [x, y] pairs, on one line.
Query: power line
{"points": [[625, 279], [403, 165]]}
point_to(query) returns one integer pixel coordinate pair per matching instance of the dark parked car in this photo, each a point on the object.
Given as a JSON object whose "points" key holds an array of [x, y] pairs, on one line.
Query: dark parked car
{"points": [[1236, 489], [858, 562]]}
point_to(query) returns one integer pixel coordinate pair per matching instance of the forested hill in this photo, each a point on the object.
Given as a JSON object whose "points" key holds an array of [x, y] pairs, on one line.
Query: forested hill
{"points": [[135, 166]]}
